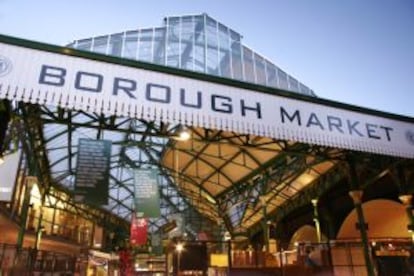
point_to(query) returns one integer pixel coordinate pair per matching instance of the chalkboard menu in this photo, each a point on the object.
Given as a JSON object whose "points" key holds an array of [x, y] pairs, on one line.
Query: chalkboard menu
{"points": [[92, 171], [147, 201]]}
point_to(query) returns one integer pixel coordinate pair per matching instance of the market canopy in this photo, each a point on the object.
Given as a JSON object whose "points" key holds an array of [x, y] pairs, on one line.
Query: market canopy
{"points": [[251, 146]]}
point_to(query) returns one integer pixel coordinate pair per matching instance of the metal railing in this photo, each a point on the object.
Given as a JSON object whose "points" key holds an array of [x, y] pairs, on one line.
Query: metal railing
{"points": [[336, 257], [28, 261]]}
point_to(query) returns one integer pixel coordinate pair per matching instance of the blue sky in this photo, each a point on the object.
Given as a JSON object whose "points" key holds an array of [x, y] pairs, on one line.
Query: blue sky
{"points": [[359, 52]]}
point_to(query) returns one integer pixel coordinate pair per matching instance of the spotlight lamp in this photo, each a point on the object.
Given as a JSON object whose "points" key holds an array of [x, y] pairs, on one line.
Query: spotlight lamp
{"points": [[183, 134]]}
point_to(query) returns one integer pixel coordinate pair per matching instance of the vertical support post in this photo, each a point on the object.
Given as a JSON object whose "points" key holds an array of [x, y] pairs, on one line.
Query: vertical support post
{"points": [[178, 263], [29, 181], [53, 226], [40, 227], [265, 226], [229, 255], [316, 220], [38, 238], [179, 247], [356, 194]]}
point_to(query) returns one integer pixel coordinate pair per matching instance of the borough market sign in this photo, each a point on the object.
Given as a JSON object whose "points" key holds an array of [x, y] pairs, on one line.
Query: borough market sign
{"points": [[44, 74]]}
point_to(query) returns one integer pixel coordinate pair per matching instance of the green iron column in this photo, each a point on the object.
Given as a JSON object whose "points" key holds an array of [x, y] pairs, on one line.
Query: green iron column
{"points": [[265, 226], [39, 228], [356, 194], [316, 220], [29, 182]]}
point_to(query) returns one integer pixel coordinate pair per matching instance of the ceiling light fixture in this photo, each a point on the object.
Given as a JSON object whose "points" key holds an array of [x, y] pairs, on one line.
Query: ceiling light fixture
{"points": [[183, 134]]}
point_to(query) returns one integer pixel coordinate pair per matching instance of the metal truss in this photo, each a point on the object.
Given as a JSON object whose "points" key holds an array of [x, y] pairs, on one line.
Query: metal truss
{"points": [[275, 174]]}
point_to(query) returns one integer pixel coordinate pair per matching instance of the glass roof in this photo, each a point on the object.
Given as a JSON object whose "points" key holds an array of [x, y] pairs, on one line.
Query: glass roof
{"points": [[197, 43]]}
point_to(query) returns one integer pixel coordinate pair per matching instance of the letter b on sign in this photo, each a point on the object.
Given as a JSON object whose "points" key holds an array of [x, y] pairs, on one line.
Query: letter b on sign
{"points": [[52, 75]]}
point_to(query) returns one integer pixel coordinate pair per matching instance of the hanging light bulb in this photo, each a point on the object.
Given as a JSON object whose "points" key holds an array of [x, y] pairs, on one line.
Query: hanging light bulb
{"points": [[183, 134]]}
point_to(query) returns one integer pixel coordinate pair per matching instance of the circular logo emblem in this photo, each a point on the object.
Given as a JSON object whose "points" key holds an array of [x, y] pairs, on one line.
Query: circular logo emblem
{"points": [[5, 66], [409, 135]]}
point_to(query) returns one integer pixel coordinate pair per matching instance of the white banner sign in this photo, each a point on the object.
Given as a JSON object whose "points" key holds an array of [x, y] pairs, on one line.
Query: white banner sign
{"points": [[43, 77]]}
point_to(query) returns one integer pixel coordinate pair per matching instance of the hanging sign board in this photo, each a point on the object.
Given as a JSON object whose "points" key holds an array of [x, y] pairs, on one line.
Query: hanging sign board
{"points": [[147, 198], [169, 226], [92, 171], [110, 88], [179, 225], [139, 230], [156, 244]]}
